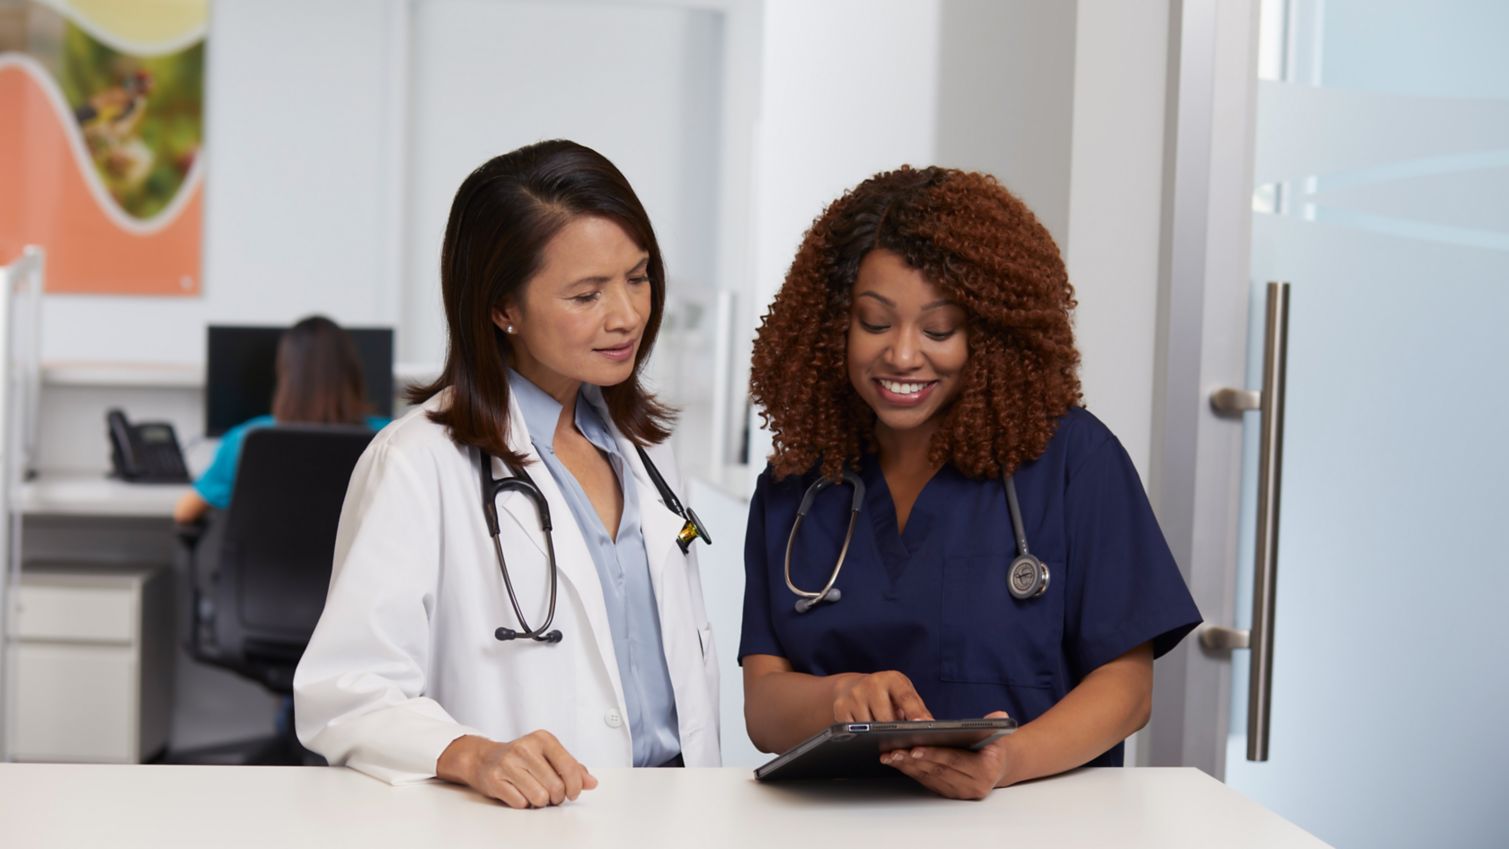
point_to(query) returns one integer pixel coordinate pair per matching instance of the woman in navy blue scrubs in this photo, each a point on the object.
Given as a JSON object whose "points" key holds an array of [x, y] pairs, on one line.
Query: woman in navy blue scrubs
{"points": [[923, 341]]}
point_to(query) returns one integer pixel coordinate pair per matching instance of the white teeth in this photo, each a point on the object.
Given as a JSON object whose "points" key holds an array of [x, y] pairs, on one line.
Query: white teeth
{"points": [[902, 388]]}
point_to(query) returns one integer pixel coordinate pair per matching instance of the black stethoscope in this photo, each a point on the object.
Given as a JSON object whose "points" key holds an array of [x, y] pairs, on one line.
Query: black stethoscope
{"points": [[521, 482], [1026, 578]]}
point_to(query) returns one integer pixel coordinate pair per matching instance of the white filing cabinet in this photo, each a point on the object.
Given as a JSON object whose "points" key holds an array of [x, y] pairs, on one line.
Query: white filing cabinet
{"points": [[90, 663]]}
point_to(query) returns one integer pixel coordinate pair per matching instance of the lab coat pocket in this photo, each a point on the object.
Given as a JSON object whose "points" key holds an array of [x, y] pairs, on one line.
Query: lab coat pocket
{"points": [[989, 637]]}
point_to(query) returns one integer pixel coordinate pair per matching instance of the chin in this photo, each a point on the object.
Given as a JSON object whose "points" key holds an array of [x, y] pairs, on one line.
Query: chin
{"points": [[611, 376], [905, 422]]}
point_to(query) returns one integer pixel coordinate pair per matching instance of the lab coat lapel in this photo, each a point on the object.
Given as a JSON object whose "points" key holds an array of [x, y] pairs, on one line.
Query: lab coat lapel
{"points": [[572, 557]]}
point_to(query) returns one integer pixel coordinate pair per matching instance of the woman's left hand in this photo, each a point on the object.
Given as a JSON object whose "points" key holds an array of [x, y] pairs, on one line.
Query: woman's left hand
{"points": [[955, 773]]}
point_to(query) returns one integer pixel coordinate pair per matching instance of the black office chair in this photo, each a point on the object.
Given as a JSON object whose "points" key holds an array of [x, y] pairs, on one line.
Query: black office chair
{"points": [[260, 570]]}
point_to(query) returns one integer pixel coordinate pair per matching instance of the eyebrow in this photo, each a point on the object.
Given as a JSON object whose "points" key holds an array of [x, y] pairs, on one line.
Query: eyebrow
{"points": [[941, 302], [598, 279]]}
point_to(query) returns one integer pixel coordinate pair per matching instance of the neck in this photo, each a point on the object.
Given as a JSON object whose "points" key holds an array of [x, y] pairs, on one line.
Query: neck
{"points": [[905, 452], [563, 389]]}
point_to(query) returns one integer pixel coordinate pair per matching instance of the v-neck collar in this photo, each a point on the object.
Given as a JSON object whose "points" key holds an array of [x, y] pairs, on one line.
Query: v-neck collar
{"points": [[897, 549]]}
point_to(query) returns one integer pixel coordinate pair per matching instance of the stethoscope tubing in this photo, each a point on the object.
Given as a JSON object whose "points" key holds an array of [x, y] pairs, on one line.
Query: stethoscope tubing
{"points": [[807, 600], [1034, 573], [521, 482]]}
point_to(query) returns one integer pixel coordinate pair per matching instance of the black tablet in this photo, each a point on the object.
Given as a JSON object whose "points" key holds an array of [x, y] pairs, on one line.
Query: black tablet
{"points": [[853, 749]]}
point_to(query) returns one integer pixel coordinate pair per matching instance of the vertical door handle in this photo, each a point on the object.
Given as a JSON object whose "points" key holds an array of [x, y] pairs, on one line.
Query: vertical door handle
{"points": [[1270, 401]]}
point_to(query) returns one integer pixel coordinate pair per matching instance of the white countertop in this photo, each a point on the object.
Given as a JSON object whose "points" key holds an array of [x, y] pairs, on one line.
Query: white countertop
{"points": [[84, 494], [158, 806]]}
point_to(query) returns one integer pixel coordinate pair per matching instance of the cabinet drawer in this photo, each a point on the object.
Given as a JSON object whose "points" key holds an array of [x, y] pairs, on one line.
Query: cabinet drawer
{"points": [[73, 703], [50, 611]]}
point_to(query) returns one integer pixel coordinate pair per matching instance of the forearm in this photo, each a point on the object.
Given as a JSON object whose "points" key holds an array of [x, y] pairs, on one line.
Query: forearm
{"points": [[783, 708], [1108, 706], [189, 508]]}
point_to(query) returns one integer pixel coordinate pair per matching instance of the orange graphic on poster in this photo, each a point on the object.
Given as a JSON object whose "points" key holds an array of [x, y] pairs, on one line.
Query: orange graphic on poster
{"points": [[100, 150]]}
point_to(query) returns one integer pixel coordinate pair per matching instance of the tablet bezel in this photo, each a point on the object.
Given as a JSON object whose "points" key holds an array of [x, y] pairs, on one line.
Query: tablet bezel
{"points": [[853, 749]]}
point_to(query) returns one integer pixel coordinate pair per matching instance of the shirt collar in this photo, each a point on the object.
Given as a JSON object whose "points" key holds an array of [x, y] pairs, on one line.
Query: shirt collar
{"points": [[542, 412]]}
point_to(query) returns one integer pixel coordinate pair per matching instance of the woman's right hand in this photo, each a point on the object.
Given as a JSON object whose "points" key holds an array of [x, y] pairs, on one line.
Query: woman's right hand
{"points": [[534, 771], [877, 697]]}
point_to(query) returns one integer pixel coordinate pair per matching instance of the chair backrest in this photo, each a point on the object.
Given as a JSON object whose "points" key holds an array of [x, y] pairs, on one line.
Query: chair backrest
{"points": [[279, 540]]}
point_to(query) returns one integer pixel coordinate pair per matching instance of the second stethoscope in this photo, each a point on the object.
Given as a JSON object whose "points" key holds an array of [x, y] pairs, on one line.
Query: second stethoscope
{"points": [[521, 482], [1026, 577]]}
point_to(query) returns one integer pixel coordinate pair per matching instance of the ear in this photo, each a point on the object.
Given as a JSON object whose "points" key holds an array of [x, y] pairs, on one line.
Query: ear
{"points": [[504, 317]]}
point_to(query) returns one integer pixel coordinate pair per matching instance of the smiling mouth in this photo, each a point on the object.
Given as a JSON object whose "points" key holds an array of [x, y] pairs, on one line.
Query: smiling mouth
{"points": [[904, 387], [905, 392]]}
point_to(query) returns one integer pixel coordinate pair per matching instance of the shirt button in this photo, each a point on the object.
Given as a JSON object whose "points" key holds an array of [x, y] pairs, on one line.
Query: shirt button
{"points": [[613, 718]]}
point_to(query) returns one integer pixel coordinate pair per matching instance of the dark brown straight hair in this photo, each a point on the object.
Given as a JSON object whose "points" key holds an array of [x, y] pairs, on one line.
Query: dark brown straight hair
{"points": [[319, 376], [504, 214]]}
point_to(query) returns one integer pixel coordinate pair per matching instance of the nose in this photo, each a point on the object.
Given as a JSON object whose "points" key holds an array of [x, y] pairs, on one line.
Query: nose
{"points": [[904, 352], [623, 312]]}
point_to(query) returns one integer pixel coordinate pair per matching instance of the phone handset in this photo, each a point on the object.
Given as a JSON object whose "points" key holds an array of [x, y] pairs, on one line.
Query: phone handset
{"points": [[146, 452]]}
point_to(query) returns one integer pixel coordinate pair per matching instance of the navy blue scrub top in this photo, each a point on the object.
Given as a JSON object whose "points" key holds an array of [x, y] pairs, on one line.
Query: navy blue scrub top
{"points": [[932, 602]]}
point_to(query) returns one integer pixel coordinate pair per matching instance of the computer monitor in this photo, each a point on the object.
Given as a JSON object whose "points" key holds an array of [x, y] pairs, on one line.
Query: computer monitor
{"points": [[242, 369]]}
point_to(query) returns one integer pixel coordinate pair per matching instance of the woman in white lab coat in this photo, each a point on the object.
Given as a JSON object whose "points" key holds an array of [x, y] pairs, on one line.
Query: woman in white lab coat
{"points": [[448, 649]]}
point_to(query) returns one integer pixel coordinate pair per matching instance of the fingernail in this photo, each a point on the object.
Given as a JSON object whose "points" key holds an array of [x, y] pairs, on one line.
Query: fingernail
{"points": [[916, 753]]}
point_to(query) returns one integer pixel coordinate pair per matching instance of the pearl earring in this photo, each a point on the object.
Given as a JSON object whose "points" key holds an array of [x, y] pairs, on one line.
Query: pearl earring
{"points": [[510, 330]]}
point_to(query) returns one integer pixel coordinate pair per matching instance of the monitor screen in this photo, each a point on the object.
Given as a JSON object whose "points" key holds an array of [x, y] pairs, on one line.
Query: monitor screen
{"points": [[241, 369]]}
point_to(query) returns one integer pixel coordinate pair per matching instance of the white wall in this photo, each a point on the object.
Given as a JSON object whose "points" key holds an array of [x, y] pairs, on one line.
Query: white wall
{"points": [[1006, 98], [1115, 203]]}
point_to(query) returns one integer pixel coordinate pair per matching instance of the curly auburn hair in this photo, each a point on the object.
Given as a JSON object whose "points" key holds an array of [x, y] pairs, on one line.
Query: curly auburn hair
{"points": [[985, 250]]}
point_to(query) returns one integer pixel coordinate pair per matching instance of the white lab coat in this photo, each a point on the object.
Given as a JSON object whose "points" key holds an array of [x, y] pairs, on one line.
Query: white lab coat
{"points": [[404, 660]]}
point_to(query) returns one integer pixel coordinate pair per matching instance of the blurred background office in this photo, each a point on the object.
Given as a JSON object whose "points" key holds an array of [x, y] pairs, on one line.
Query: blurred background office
{"points": [[1184, 153]]}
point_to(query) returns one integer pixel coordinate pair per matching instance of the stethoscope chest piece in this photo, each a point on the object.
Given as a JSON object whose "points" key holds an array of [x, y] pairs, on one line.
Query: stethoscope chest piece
{"points": [[1027, 577]]}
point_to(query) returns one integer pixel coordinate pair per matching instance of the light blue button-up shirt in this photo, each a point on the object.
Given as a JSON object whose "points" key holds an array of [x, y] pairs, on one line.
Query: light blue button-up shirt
{"points": [[622, 568]]}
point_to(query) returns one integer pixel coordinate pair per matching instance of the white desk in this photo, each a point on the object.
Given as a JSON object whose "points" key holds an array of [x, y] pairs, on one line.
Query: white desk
{"points": [[157, 806], [85, 494]]}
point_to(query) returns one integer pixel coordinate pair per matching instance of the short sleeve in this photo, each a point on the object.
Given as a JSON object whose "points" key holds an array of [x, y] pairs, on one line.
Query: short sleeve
{"points": [[217, 482], [1124, 588], [758, 631]]}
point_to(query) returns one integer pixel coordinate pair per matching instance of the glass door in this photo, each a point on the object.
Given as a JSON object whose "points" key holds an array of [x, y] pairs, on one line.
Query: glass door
{"points": [[1381, 195]]}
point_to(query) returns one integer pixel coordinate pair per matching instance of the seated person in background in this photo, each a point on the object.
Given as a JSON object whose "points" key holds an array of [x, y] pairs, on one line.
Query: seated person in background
{"points": [[319, 381]]}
